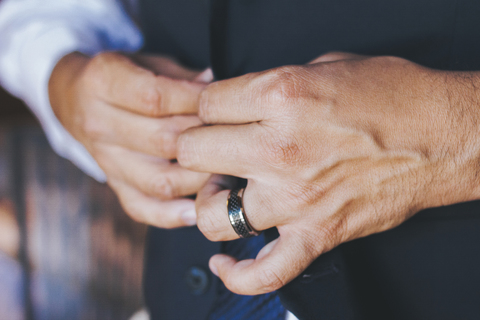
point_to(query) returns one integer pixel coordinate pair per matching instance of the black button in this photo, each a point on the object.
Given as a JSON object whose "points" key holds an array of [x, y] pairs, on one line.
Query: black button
{"points": [[197, 280]]}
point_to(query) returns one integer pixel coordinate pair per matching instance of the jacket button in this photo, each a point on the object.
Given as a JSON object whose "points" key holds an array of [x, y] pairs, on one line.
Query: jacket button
{"points": [[197, 280]]}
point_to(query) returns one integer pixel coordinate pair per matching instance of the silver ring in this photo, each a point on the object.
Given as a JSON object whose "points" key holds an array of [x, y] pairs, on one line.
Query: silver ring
{"points": [[237, 216]]}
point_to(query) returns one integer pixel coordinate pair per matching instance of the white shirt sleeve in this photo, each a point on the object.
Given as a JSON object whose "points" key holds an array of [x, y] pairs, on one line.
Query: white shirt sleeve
{"points": [[290, 316], [35, 34]]}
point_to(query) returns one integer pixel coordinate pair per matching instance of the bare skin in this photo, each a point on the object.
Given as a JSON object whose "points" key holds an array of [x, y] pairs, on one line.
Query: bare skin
{"points": [[128, 112], [335, 150]]}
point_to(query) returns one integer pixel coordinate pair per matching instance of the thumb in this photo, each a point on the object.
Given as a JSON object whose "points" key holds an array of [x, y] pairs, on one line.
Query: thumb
{"points": [[277, 263], [126, 85]]}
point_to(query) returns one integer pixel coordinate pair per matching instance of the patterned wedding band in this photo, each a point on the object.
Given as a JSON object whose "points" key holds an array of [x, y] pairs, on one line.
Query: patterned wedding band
{"points": [[237, 216]]}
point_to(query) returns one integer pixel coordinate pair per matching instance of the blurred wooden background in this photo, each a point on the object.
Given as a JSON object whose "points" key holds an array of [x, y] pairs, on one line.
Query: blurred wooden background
{"points": [[67, 250]]}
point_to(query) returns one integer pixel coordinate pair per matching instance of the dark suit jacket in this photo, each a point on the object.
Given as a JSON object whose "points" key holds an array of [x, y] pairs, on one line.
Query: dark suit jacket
{"points": [[428, 268]]}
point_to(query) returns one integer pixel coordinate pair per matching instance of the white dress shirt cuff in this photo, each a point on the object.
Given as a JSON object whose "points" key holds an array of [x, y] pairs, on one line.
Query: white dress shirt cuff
{"points": [[32, 42]]}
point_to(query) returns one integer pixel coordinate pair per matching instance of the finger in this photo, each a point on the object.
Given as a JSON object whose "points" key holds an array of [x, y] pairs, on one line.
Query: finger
{"points": [[336, 56], [211, 202], [223, 149], [206, 76], [121, 82], [152, 176], [212, 212], [232, 101], [157, 137], [151, 211], [277, 264]]}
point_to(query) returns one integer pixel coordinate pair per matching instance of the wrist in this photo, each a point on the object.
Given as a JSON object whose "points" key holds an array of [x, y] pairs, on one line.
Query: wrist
{"points": [[467, 99], [458, 165]]}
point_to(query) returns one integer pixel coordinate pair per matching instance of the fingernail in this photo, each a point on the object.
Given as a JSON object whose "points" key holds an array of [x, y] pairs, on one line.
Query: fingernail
{"points": [[190, 217], [206, 76], [214, 270]]}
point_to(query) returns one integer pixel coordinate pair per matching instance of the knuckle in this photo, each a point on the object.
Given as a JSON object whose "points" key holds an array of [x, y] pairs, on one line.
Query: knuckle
{"points": [[387, 61], [186, 155], [283, 85], [163, 188], [333, 56], [282, 150], [164, 144], [151, 99], [268, 280]]}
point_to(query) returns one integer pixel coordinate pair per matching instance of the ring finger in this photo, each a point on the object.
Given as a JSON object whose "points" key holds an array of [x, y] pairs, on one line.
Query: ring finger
{"points": [[212, 213]]}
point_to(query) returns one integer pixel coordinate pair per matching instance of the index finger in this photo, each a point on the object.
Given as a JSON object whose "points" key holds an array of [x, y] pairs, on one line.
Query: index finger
{"points": [[252, 97], [120, 82]]}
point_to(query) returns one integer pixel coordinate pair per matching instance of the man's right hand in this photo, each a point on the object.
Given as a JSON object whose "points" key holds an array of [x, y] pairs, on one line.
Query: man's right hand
{"points": [[128, 112]]}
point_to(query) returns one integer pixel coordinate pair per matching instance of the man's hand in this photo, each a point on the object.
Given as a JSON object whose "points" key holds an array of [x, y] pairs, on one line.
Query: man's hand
{"points": [[128, 111], [335, 150]]}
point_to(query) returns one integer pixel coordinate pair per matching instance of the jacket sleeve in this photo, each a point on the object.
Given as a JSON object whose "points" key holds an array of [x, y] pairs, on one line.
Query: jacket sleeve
{"points": [[35, 34]]}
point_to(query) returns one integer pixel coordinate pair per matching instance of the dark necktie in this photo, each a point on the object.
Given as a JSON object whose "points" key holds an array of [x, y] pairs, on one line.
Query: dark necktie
{"points": [[230, 306]]}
